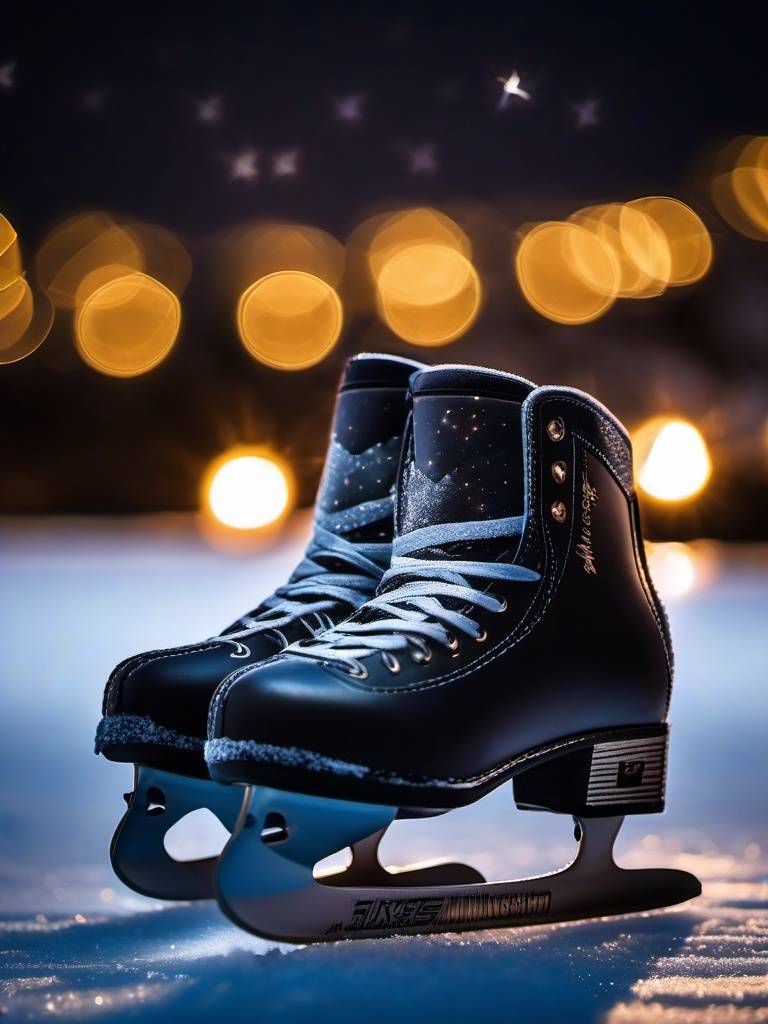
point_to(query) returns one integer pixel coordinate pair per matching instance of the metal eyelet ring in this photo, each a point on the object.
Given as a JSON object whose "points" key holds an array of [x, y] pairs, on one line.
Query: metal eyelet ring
{"points": [[358, 671], [503, 605], [423, 655], [390, 662], [453, 645], [559, 511], [556, 429], [559, 472], [482, 638]]}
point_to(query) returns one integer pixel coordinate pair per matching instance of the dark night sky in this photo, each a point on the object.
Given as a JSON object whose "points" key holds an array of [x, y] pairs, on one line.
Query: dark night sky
{"points": [[100, 108], [103, 112]]}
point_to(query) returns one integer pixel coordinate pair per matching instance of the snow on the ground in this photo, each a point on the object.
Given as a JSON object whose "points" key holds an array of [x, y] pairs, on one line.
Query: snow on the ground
{"points": [[78, 596]]}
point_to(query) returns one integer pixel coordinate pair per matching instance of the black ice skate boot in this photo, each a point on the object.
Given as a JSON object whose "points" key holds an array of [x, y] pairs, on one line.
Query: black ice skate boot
{"points": [[156, 704], [516, 636]]}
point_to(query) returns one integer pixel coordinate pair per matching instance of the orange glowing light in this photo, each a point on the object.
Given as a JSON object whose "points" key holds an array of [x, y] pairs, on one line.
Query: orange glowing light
{"points": [[253, 252], [79, 246], [689, 242], [672, 458], [428, 294], [127, 325], [415, 267], [672, 567], [97, 278], [10, 256], [638, 244], [390, 233], [566, 272], [247, 489], [681, 569], [740, 185], [16, 310], [13, 289], [25, 316], [729, 208], [646, 245], [85, 244], [750, 187], [289, 319]]}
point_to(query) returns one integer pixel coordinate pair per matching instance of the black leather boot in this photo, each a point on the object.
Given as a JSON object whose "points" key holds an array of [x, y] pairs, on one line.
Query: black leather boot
{"points": [[517, 636], [156, 704]]}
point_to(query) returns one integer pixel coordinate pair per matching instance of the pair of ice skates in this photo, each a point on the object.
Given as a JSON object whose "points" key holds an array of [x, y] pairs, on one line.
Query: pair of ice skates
{"points": [[493, 620]]}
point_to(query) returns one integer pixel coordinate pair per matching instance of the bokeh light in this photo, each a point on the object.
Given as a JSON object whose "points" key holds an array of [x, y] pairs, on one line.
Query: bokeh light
{"points": [[672, 567], [690, 244], [418, 274], [252, 252], [637, 243], [123, 282], [672, 459], [573, 271], [247, 489], [678, 570], [739, 185], [77, 247], [289, 319], [428, 294], [14, 291], [10, 256], [567, 273], [26, 317], [127, 325], [16, 310], [385, 235], [87, 242]]}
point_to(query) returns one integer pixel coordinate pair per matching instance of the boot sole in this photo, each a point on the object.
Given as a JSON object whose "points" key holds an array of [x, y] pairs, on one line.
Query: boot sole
{"points": [[599, 774]]}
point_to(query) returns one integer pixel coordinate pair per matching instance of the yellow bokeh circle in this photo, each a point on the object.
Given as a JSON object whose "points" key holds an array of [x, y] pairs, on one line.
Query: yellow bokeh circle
{"points": [[128, 325], [393, 232], [739, 187], [638, 246], [10, 255], [750, 187], [428, 293], [689, 242], [289, 319], [672, 460], [247, 489], [16, 312], [78, 246], [566, 272]]}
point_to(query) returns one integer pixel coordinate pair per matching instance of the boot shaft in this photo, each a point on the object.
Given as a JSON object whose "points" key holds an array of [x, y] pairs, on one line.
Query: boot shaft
{"points": [[485, 446], [355, 493]]}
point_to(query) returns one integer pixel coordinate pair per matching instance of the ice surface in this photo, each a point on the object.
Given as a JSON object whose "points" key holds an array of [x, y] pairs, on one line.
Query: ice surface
{"points": [[77, 597]]}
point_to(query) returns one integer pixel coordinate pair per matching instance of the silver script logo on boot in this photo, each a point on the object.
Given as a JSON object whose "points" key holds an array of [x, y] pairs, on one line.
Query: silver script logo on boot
{"points": [[589, 496]]}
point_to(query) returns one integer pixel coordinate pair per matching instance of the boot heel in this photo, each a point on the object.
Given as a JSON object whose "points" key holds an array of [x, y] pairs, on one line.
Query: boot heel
{"points": [[607, 774]]}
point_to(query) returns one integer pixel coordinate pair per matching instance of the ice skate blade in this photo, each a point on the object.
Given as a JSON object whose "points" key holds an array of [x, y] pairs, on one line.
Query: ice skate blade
{"points": [[160, 799], [267, 887]]}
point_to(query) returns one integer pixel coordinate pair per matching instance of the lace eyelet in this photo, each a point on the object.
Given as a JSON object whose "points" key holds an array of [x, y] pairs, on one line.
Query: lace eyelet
{"points": [[390, 662], [502, 607], [452, 646], [482, 638], [422, 657], [356, 671]]}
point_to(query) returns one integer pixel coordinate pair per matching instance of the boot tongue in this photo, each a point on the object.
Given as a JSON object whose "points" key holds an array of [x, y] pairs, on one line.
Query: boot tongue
{"points": [[467, 456], [355, 496]]}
